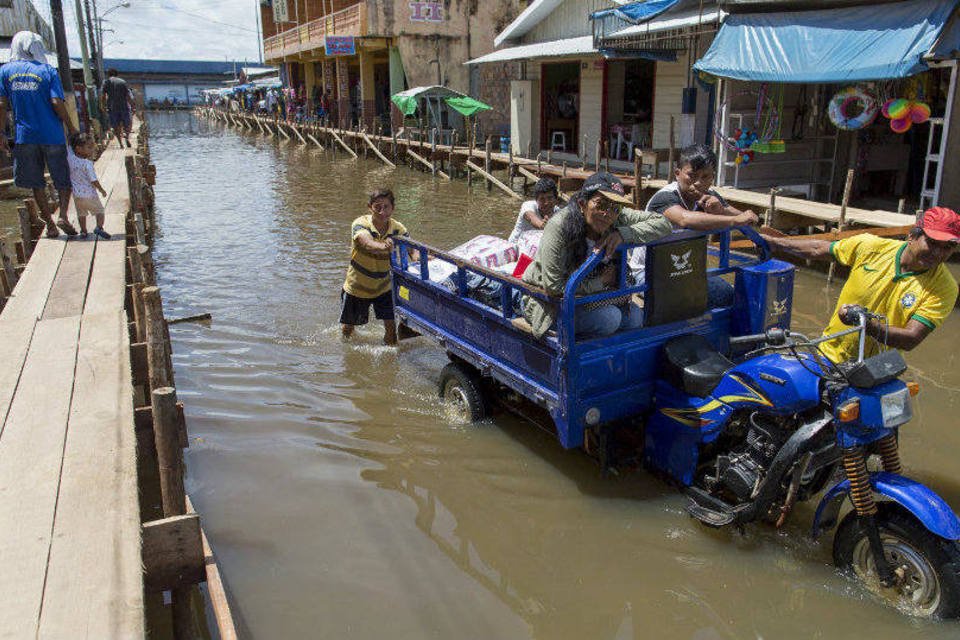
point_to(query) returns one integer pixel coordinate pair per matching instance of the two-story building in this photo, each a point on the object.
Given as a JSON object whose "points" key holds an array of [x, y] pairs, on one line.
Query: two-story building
{"points": [[361, 53]]}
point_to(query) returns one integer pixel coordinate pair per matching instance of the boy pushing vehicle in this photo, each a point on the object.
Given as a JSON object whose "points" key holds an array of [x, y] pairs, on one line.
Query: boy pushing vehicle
{"points": [[368, 276]]}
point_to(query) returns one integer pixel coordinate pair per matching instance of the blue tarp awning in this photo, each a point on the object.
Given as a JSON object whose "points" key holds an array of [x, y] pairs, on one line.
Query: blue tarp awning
{"points": [[636, 12], [828, 46]]}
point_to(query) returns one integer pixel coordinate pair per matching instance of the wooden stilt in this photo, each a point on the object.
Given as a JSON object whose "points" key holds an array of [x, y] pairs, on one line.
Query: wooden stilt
{"points": [[847, 188], [433, 150], [492, 180], [486, 162]]}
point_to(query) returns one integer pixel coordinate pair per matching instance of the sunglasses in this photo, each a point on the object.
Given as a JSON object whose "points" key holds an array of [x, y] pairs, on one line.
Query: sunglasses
{"points": [[608, 206]]}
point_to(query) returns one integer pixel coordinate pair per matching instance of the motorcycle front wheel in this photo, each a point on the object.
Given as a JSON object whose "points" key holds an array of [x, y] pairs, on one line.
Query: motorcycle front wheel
{"points": [[927, 566]]}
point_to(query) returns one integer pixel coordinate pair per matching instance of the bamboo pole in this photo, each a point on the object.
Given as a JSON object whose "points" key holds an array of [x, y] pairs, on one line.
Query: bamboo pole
{"points": [[315, 141], [375, 150], [342, 143], [494, 181], [416, 156]]}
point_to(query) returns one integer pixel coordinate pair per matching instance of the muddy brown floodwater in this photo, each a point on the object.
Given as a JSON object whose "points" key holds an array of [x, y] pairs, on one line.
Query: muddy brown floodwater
{"points": [[343, 503]]}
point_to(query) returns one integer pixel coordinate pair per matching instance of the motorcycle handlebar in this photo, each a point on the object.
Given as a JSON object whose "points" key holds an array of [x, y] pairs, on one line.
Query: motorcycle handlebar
{"points": [[775, 335]]}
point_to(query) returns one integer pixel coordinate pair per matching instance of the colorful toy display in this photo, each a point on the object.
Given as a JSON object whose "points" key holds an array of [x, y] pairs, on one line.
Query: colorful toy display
{"points": [[852, 108], [745, 142], [904, 113]]}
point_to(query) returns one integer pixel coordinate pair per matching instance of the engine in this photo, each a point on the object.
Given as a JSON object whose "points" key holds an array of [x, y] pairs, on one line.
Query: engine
{"points": [[739, 468]]}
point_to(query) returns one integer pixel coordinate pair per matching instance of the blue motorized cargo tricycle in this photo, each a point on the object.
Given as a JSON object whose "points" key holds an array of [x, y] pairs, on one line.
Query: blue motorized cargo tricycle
{"points": [[745, 415]]}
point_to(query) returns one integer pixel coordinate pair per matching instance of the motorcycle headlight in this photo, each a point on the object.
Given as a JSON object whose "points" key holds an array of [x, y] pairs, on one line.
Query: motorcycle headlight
{"points": [[896, 408]]}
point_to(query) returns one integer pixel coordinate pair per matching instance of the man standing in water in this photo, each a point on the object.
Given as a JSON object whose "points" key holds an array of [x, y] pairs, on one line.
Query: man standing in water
{"points": [[32, 88], [907, 282], [115, 99]]}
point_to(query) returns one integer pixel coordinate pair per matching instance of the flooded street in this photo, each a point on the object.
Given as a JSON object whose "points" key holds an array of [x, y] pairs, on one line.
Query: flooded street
{"points": [[342, 503]]}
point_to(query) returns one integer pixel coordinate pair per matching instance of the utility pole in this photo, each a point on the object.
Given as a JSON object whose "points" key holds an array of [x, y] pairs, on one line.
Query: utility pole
{"points": [[63, 58], [87, 76], [98, 36], [91, 38]]}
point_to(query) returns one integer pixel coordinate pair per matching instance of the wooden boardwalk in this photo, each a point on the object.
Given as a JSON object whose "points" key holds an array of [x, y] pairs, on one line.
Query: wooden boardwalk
{"points": [[811, 211], [69, 511]]}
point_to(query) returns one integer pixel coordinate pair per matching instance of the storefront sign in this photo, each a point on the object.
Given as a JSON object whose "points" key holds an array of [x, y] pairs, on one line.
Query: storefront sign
{"points": [[280, 13], [426, 12], [340, 46]]}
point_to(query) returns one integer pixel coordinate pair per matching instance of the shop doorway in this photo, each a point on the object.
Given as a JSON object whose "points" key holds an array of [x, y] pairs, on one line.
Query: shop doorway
{"points": [[560, 110], [629, 116]]}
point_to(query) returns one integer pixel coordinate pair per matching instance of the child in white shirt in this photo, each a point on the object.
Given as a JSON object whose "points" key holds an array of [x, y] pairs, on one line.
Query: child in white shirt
{"points": [[83, 177]]}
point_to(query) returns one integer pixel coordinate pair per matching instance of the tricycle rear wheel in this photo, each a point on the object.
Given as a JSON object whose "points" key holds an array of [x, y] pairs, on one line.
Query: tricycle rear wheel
{"points": [[927, 565], [462, 390]]}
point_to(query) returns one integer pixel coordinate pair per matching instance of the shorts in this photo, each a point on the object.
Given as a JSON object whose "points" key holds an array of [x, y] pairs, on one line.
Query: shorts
{"points": [[356, 311], [120, 117], [88, 206], [29, 161]]}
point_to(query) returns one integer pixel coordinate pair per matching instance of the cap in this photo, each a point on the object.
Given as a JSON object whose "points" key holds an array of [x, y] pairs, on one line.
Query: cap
{"points": [[607, 184], [941, 224]]}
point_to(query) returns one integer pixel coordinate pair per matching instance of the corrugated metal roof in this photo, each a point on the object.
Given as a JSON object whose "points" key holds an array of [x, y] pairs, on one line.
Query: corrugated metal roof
{"points": [[582, 45], [51, 59], [183, 67], [670, 21], [528, 19]]}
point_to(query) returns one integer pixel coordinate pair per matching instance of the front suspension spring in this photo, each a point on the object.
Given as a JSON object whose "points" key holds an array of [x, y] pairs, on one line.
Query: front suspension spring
{"points": [[861, 492], [890, 454]]}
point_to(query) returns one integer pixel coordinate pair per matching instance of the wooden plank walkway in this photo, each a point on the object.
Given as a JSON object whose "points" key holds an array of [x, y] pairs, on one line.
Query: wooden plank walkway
{"points": [[70, 549], [815, 211]]}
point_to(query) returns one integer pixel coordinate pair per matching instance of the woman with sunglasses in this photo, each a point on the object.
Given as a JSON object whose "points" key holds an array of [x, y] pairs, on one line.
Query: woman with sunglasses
{"points": [[594, 220]]}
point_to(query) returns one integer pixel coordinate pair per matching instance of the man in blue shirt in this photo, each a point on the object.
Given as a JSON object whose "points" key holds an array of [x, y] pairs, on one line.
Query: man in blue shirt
{"points": [[32, 88]]}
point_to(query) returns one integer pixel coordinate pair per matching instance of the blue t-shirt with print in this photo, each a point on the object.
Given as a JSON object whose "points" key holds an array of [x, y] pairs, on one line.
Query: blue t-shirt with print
{"points": [[28, 87]]}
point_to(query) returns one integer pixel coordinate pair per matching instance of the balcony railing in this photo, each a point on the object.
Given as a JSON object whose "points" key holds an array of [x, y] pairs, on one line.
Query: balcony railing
{"points": [[351, 21]]}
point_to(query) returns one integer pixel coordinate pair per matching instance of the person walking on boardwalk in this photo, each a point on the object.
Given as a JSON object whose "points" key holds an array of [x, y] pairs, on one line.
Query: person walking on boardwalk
{"points": [[83, 176], [32, 88], [115, 99], [368, 276], [906, 282]]}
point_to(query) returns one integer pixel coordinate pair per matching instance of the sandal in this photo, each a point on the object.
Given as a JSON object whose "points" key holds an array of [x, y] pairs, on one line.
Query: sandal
{"points": [[66, 227], [52, 231]]}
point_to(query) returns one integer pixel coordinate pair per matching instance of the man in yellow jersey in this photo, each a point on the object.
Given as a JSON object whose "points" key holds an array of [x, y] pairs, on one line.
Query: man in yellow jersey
{"points": [[368, 276], [907, 282]]}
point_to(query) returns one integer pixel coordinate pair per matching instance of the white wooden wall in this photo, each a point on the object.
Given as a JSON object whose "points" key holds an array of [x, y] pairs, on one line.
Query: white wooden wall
{"points": [[669, 82], [569, 20], [591, 105]]}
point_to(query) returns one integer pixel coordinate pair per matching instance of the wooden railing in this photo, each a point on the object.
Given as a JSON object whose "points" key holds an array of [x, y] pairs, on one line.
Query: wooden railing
{"points": [[351, 21]]}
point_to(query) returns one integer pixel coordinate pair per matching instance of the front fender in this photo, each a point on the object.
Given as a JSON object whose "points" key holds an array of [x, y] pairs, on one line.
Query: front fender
{"points": [[929, 508]]}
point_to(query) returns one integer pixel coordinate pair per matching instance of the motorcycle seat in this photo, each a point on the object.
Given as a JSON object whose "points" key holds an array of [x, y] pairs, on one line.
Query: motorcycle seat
{"points": [[691, 363]]}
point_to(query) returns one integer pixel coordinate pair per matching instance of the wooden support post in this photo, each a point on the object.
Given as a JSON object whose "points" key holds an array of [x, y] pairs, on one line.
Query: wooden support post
{"points": [[433, 150], [637, 186], [772, 209], [394, 147], [166, 418], [672, 152], [847, 189], [606, 155], [539, 166], [136, 277], [315, 141], [486, 161], [155, 337], [7, 267], [453, 146], [511, 168], [26, 233], [343, 144], [549, 157]]}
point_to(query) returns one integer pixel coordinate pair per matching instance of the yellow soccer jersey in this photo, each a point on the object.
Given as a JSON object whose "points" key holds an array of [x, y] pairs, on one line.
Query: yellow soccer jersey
{"points": [[878, 283], [368, 276]]}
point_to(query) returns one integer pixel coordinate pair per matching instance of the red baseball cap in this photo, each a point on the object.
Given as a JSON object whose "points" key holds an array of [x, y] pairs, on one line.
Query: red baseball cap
{"points": [[941, 223]]}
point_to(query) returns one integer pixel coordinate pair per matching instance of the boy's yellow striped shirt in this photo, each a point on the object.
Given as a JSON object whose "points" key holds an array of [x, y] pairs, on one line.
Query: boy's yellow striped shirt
{"points": [[368, 276]]}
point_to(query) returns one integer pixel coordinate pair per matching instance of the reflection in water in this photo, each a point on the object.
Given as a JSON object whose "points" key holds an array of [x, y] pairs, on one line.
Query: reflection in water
{"points": [[341, 501]]}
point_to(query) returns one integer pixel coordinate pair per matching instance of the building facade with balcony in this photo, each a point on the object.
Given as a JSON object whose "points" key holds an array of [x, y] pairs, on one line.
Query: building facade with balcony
{"points": [[360, 53]]}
